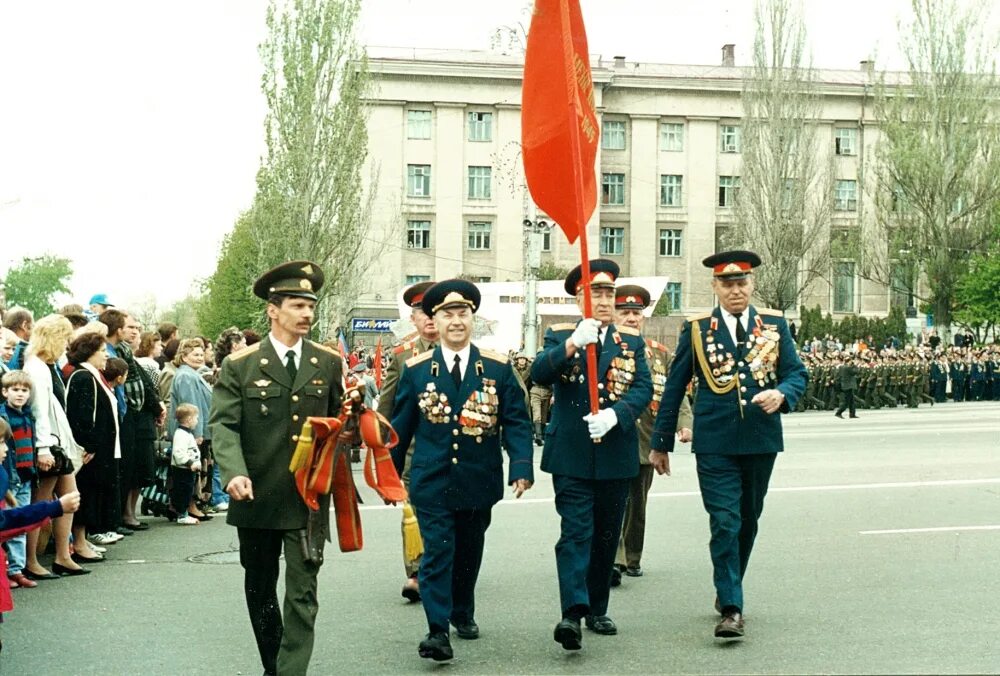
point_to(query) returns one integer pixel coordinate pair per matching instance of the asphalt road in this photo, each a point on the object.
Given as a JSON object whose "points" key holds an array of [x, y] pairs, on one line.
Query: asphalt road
{"points": [[877, 553]]}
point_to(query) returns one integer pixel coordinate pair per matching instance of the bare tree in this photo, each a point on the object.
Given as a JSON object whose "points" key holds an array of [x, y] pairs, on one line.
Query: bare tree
{"points": [[936, 174], [784, 203]]}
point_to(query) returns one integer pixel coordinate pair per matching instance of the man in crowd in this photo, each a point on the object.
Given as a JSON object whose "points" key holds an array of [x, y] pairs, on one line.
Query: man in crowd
{"points": [[425, 340], [748, 371], [456, 403], [98, 304], [847, 379], [20, 321], [592, 457], [264, 394], [630, 301]]}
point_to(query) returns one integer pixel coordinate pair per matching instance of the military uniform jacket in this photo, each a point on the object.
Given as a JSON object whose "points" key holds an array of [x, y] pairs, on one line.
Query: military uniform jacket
{"points": [[400, 354], [457, 462], [658, 357], [624, 385], [725, 422], [257, 414]]}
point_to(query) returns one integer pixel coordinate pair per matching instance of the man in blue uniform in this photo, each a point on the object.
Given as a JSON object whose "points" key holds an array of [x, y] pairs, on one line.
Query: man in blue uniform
{"points": [[747, 370], [456, 401], [591, 458]]}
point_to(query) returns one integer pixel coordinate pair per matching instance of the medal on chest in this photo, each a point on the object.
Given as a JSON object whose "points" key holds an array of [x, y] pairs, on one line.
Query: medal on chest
{"points": [[621, 373], [434, 405], [479, 414]]}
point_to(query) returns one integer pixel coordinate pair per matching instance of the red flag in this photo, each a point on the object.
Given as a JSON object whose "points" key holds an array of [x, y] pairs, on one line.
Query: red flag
{"points": [[558, 122], [378, 363]]}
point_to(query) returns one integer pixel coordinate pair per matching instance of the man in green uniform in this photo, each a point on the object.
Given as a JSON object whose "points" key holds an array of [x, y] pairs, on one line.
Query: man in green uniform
{"points": [[264, 394], [630, 301], [425, 340]]}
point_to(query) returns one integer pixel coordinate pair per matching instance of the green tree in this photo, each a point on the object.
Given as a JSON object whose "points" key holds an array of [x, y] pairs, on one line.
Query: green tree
{"points": [[936, 172], [34, 283], [783, 206], [309, 204], [977, 295], [549, 270]]}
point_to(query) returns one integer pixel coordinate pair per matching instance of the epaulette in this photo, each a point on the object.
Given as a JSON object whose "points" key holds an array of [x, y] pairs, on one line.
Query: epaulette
{"points": [[245, 352], [770, 312], [495, 356], [656, 346], [566, 326], [423, 356], [628, 330], [330, 350], [402, 347], [694, 318]]}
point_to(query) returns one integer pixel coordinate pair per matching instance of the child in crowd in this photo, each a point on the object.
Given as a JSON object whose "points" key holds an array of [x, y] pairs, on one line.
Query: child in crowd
{"points": [[185, 463], [20, 464], [16, 520]]}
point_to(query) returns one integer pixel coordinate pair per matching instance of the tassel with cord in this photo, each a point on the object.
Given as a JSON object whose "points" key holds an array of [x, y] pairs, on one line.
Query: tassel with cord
{"points": [[413, 544]]}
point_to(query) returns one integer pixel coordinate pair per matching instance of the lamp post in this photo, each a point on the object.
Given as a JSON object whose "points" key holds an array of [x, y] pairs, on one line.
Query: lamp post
{"points": [[534, 232]]}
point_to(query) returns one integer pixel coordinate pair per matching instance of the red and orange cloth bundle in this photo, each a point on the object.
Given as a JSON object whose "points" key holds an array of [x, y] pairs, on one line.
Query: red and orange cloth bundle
{"points": [[322, 464]]}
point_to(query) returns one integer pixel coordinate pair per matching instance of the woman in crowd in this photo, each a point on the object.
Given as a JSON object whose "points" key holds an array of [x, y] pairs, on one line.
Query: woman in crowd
{"points": [[167, 372], [47, 346], [148, 354], [190, 388], [92, 410], [231, 340]]}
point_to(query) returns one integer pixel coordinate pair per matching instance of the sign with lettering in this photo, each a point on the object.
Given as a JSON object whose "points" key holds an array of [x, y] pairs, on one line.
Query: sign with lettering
{"points": [[371, 325]]}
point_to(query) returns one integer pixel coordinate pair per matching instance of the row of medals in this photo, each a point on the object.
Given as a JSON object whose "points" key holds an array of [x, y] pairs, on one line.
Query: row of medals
{"points": [[659, 384], [762, 356], [479, 414], [621, 374]]}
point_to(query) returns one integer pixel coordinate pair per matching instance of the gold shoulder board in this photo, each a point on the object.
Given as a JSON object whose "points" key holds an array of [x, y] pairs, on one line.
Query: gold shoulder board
{"points": [[566, 326], [328, 350], [656, 345], [694, 318], [769, 311], [423, 356], [245, 352], [402, 347], [628, 330], [495, 356]]}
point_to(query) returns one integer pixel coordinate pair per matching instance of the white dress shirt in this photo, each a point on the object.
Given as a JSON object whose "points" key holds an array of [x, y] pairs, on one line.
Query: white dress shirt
{"points": [[730, 321], [283, 349], [463, 356]]}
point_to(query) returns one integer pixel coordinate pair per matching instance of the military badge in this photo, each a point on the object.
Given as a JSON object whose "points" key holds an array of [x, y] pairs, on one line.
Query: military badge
{"points": [[434, 405], [479, 414]]}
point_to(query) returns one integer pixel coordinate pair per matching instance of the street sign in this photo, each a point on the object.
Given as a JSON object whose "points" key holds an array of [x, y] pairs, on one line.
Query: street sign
{"points": [[371, 325]]}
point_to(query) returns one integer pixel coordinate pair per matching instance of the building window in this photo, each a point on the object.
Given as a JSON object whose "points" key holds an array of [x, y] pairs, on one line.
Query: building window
{"points": [[671, 136], [613, 135], [670, 190], [418, 180], [479, 235], [547, 240], [612, 241], [414, 279], [843, 286], [846, 141], [673, 292], [418, 234], [670, 242], [482, 280], [730, 138], [613, 189], [418, 124], [480, 183], [845, 197], [729, 187], [480, 126]]}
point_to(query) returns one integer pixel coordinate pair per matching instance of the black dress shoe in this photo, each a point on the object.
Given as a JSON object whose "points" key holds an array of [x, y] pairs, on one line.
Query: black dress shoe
{"points": [[80, 558], [839, 416], [203, 517], [730, 626], [467, 630], [63, 570], [411, 590], [568, 634], [436, 647], [35, 576], [601, 624], [136, 526], [616, 577], [634, 571], [122, 530]]}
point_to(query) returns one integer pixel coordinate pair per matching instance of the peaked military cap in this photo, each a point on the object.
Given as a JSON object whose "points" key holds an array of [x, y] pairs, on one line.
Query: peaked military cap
{"points": [[631, 297], [603, 274], [451, 293], [414, 295], [301, 279], [732, 264]]}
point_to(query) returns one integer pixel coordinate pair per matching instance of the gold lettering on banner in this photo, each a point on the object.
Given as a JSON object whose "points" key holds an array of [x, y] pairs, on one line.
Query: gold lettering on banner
{"points": [[585, 89]]}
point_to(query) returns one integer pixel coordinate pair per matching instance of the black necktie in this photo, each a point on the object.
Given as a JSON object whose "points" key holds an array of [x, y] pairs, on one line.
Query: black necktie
{"points": [[741, 334], [456, 372], [599, 344], [290, 365]]}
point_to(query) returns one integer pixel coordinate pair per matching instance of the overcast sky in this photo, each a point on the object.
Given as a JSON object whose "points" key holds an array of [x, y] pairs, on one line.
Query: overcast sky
{"points": [[130, 132]]}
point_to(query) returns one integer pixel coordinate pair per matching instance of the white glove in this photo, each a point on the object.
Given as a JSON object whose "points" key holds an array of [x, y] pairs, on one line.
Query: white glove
{"points": [[586, 332], [601, 423]]}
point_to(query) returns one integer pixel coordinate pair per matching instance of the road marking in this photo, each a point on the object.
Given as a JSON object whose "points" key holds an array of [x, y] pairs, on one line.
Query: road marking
{"points": [[779, 489], [941, 529]]}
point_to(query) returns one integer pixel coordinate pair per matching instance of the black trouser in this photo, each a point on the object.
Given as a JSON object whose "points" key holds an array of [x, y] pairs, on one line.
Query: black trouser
{"points": [[847, 403], [286, 645], [182, 481]]}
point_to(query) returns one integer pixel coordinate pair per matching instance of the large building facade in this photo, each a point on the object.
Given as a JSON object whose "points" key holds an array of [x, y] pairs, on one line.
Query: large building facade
{"points": [[449, 194]]}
